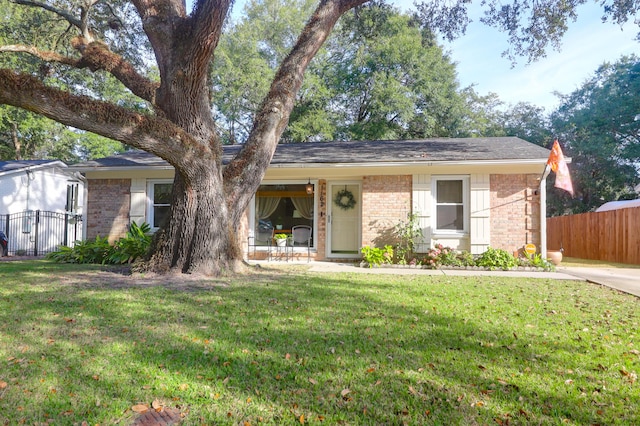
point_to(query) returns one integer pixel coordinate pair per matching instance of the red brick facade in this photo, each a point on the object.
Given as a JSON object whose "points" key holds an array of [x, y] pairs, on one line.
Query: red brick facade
{"points": [[515, 211], [386, 200], [108, 204]]}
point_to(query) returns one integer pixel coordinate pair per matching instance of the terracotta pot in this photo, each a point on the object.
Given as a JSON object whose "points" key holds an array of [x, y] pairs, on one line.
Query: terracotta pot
{"points": [[554, 256]]}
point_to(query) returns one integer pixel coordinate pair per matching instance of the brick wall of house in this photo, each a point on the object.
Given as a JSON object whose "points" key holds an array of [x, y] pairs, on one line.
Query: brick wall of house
{"points": [[108, 203], [386, 200], [515, 211]]}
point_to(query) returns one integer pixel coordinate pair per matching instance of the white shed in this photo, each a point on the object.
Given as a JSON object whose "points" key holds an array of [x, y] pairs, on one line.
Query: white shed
{"points": [[40, 205]]}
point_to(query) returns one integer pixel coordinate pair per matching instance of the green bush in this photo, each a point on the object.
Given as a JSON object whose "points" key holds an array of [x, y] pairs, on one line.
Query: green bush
{"points": [[536, 261], [376, 256], [497, 259], [133, 246], [446, 256], [407, 233], [88, 251], [126, 250]]}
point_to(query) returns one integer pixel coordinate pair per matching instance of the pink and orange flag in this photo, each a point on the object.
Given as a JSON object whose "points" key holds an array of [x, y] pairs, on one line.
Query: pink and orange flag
{"points": [[559, 167]]}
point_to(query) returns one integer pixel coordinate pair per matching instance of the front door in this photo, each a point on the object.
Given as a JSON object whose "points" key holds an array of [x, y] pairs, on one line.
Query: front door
{"points": [[344, 219]]}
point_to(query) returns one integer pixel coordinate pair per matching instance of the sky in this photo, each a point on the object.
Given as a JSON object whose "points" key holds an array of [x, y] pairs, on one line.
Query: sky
{"points": [[587, 44]]}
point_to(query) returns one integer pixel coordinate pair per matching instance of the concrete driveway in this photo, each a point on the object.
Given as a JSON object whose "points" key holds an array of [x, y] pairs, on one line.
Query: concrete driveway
{"points": [[623, 279]]}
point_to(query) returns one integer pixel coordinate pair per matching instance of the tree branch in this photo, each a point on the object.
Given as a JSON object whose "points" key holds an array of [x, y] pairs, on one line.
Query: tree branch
{"points": [[97, 56], [152, 134], [44, 55], [62, 13], [253, 159]]}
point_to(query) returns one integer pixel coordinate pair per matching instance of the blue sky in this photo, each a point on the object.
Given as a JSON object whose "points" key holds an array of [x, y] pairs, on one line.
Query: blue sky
{"points": [[587, 44]]}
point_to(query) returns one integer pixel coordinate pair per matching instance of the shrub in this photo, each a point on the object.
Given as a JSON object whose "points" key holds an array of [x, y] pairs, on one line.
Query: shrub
{"points": [[446, 256], [406, 233], [88, 251], [133, 246], [536, 261], [376, 256], [127, 249], [497, 259]]}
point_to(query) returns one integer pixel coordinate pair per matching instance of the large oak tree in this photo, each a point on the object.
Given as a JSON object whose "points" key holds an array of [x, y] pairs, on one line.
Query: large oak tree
{"points": [[174, 117]]}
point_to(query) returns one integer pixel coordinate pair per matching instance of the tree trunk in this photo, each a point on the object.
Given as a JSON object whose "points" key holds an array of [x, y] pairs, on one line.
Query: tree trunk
{"points": [[199, 237]]}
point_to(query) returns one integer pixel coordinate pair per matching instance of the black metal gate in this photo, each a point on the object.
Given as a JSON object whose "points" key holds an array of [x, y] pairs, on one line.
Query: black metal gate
{"points": [[37, 232]]}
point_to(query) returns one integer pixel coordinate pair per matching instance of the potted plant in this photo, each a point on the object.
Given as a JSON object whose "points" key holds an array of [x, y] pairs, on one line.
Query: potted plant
{"points": [[281, 239]]}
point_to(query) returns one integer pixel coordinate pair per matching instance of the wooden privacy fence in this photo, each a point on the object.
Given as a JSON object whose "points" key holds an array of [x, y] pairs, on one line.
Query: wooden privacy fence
{"points": [[613, 235]]}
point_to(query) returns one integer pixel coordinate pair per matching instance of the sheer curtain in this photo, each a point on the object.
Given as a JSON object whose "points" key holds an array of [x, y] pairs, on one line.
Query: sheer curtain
{"points": [[265, 206], [304, 205]]}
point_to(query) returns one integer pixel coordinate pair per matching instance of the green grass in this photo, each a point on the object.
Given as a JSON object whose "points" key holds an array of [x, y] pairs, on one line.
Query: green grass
{"points": [[284, 346]]}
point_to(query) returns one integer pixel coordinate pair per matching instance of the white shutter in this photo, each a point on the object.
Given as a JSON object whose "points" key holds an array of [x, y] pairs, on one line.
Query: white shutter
{"points": [[480, 214], [422, 208]]}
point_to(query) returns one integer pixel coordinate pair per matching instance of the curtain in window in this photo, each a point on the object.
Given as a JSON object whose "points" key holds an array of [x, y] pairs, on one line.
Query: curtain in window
{"points": [[304, 205], [265, 206]]}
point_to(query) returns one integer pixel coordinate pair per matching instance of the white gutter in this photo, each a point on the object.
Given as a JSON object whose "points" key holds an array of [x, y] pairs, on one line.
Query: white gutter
{"points": [[407, 163]]}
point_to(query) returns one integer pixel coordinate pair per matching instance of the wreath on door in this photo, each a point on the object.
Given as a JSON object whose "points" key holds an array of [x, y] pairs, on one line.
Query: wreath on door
{"points": [[345, 199]]}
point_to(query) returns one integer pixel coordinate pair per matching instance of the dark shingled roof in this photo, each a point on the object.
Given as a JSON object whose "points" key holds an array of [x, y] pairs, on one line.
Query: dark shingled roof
{"points": [[363, 152], [7, 166]]}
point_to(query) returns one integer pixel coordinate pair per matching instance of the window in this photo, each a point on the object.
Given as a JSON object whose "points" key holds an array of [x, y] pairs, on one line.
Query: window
{"points": [[451, 201], [281, 207], [159, 202], [72, 198]]}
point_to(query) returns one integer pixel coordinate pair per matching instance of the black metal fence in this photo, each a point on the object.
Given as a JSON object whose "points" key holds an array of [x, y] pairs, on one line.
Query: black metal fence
{"points": [[37, 232]]}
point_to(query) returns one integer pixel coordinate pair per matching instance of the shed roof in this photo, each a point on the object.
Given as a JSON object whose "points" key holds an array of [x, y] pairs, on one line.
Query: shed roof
{"points": [[507, 149], [18, 165]]}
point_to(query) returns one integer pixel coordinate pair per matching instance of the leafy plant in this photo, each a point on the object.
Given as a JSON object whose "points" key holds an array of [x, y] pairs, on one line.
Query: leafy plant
{"points": [[127, 249], [88, 251], [497, 259], [376, 256], [536, 261], [133, 246], [280, 236], [407, 232], [446, 256]]}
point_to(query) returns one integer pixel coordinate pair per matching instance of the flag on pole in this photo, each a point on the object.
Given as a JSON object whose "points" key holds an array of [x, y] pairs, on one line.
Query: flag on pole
{"points": [[559, 166]]}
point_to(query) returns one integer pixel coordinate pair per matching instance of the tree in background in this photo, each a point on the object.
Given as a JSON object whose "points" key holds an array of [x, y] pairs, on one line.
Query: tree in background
{"points": [[599, 128]]}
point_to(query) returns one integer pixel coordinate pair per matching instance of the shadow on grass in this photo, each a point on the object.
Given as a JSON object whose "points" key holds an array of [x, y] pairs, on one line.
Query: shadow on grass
{"points": [[274, 346]]}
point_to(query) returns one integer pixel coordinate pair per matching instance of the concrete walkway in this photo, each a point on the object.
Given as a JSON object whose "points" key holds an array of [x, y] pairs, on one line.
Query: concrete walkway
{"points": [[623, 279]]}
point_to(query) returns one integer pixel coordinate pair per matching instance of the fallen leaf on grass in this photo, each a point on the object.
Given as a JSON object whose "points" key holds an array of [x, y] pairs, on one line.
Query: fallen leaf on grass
{"points": [[313, 381], [345, 392], [156, 404], [3, 384], [301, 419], [139, 408]]}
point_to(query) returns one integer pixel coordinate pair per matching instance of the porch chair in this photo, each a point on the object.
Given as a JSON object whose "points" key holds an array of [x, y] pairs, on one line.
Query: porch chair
{"points": [[263, 237], [301, 236]]}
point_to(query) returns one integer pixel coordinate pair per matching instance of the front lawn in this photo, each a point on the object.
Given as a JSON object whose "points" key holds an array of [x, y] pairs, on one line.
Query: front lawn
{"points": [[284, 346]]}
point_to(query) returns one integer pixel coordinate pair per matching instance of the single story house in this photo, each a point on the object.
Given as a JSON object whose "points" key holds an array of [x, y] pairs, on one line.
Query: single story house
{"points": [[39, 195], [468, 193]]}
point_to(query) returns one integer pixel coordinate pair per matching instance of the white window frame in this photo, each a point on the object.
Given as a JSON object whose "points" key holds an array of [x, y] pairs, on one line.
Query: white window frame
{"points": [[151, 183], [466, 207]]}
